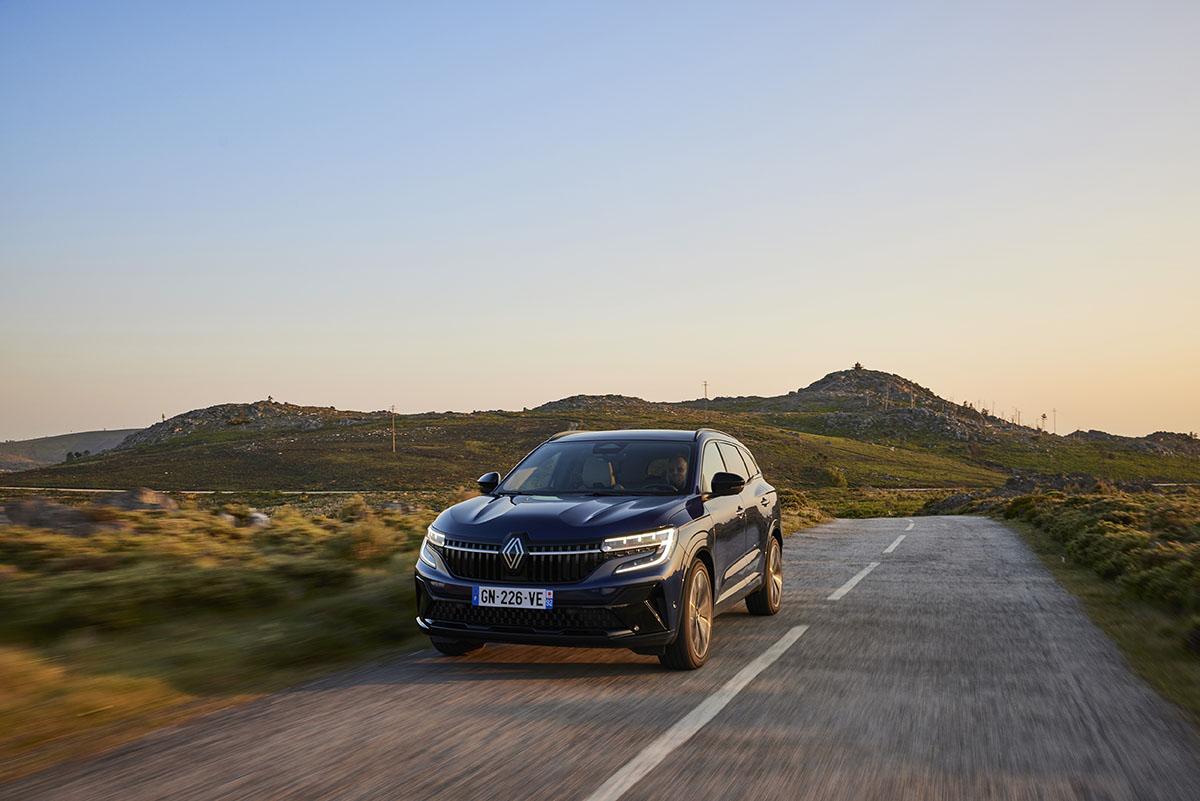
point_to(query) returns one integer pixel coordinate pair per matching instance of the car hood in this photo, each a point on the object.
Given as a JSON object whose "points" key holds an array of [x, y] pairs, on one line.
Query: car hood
{"points": [[559, 520]]}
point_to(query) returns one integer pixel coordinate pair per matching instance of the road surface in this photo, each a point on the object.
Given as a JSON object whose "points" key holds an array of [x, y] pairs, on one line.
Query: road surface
{"points": [[932, 658]]}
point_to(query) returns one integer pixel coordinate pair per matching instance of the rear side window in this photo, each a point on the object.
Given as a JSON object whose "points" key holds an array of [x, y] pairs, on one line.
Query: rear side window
{"points": [[710, 465], [733, 459], [750, 463]]}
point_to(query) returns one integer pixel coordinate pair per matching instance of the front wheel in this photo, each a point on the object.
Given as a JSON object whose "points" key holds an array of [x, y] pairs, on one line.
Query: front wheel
{"points": [[691, 646], [454, 647], [767, 599]]}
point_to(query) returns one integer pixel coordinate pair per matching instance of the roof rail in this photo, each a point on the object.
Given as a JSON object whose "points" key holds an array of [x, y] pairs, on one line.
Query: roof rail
{"points": [[703, 429], [561, 434]]}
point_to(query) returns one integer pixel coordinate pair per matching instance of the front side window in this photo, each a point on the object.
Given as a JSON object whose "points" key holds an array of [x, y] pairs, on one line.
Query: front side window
{"points": [[710, 466], [733, 460], [603, 467]]}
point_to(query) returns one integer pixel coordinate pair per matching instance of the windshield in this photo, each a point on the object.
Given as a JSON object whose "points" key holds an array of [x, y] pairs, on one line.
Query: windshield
{"points": [[603, 467]]}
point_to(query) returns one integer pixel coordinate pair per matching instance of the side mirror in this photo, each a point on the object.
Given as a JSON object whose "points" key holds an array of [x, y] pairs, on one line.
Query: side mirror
{"points": [[488, 482], [727, 484]]}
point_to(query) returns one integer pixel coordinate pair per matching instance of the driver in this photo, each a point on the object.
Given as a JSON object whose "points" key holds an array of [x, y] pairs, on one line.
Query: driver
{"points": [[677, 472]]}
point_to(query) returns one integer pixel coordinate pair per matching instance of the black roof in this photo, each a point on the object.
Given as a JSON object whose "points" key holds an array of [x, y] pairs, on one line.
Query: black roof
{"points": [[658, 434]]}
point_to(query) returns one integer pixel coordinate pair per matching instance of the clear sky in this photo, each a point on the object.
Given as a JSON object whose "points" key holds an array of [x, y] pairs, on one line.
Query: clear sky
{"points": [[491, 205]]}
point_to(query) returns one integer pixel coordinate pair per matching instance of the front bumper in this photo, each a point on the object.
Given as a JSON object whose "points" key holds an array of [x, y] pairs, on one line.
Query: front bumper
{"points": [[639, 612]]}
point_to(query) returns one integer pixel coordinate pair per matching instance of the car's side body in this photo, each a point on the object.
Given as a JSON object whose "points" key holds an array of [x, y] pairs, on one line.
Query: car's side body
{"points": [[598, 599]]}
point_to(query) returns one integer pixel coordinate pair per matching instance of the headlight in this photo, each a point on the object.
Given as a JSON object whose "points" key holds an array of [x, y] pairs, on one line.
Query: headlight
{"points": [[432, 537], [656, 545]]}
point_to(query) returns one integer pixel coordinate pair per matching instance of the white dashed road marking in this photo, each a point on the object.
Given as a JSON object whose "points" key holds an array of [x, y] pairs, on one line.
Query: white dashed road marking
{"points": [[691, 723], [841, 591], [896, 542], [910, 525]]}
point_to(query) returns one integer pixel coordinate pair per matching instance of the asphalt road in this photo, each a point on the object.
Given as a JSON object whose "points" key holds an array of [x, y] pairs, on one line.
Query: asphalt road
{"points": [[955, 668]]}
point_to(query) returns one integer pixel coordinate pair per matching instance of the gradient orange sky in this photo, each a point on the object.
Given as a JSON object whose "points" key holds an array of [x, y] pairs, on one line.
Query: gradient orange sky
{"points": [[475, 207]]}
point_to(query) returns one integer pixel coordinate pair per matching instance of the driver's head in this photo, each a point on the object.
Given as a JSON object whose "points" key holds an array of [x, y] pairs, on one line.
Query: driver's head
{"points": [[677, 472]]}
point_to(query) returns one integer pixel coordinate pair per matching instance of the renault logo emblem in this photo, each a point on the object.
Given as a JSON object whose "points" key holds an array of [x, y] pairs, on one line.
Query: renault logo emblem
{"points": [[513, 552]]}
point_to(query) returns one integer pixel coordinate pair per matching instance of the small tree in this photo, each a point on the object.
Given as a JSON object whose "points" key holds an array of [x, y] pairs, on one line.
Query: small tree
{"points": [[858, 366]]}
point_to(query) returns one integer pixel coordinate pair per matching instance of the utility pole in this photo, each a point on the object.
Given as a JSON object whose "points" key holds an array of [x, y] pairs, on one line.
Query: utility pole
{"points": [[1055, 413], [393, 428]]}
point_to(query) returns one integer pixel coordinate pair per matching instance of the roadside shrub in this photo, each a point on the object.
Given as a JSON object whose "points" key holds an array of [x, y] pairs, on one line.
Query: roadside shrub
{"points": [[130, 597], [1147, 542], [370, 615]]}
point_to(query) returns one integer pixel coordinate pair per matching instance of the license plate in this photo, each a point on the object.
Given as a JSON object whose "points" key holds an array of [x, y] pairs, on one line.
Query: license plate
{"points": [[512, 598]]}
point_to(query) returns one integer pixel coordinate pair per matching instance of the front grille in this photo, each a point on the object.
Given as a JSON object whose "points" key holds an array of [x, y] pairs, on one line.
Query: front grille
{"points": [[575, 619], [542, 564]]}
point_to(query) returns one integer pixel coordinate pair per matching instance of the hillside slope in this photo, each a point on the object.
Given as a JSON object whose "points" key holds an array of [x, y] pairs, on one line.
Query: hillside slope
{"points": [[436, 451], [30, 453], [857, 427]]}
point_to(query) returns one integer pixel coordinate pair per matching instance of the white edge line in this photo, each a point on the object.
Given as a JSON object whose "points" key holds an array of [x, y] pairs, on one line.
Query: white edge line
{"points": [[692, 722], [841, 591], [897, 541], [910, 525]]}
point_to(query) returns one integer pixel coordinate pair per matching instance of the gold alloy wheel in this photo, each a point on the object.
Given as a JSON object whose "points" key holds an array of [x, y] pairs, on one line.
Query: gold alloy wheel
{"points": [[702, 613], [774, 574]]}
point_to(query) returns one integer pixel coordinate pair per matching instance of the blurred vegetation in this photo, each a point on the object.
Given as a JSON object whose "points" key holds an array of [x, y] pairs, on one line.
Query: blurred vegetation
{"points": [[166, 610], [859, 502]]}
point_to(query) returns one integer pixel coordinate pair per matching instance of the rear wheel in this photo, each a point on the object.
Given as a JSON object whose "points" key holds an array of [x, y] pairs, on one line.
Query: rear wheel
{"points": [[767, 599], [691, 646], [454, 647]]}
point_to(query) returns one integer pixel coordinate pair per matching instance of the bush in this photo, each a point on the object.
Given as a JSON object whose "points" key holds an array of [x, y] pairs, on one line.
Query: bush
{"points": [[1147, 542], [132, 596]]}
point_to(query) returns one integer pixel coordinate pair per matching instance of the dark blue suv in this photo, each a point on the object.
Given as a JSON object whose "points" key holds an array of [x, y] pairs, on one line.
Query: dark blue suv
{"points": [[631, 539]]}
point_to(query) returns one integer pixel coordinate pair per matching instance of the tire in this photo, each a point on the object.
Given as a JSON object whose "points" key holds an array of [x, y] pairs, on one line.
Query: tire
{"points": [[693, 644], [768, 598], [454, 647]]}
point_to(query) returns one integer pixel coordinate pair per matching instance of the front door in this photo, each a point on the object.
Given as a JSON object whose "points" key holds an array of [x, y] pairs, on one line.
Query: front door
{"points": [[728, 520], [734, 463]]}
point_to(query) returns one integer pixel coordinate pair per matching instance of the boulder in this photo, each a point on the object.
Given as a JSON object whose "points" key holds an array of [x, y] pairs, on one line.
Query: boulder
{"points": [[41, 513], [140, 498], [258, 520]]}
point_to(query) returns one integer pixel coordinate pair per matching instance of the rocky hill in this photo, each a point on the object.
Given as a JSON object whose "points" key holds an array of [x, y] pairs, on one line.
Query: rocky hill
{"points": [[266, 415], [597, 403], [873, 404]]}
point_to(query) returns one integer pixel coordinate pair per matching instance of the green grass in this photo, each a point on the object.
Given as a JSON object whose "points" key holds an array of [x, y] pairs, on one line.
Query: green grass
{"points": [[1151, 638]]}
